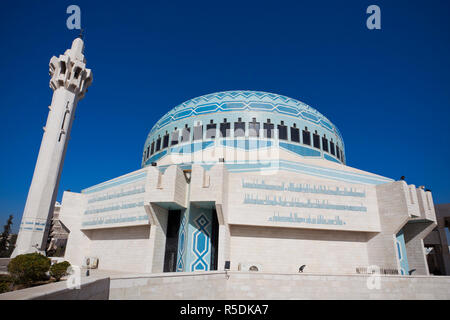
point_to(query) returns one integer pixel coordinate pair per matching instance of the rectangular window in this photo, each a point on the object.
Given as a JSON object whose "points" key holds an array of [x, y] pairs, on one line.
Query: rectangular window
{"points": [[316, 140], [174, 138], [171, 243], [148, 152], [158, 144], [165, 141], [253, 128], [225, 129], [282, 131], [325, 144], [186, 134], [306, 135], [211, 130], [268, 129], [332, 148], [198, 133], [239, 128], [152, 148], [338, 153], [295, 134]]}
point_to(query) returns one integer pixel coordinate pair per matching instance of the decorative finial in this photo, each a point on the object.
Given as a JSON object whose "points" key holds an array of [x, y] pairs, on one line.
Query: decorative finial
{"points": [[81, 33]]}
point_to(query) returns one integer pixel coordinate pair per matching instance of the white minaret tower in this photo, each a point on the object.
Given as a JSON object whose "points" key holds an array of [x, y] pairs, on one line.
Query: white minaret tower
{"points": [[69, 81]]}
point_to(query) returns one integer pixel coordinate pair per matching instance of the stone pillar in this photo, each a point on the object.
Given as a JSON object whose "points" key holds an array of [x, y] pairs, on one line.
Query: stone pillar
{"points": [[415, 232], [69, 80], [158, 217], [224, 238], [393, 213]]}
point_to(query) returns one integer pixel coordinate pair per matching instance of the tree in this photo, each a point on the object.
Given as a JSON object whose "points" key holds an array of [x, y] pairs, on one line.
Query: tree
{"points": [[11, 244], [5, 249]]}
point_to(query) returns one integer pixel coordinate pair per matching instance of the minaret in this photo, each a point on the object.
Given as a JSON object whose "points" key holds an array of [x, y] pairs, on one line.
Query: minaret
{"points": [[69, 81]]}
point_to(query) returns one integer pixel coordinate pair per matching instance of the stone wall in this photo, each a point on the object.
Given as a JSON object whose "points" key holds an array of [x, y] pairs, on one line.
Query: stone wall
{"points": [[286, 249], [279, 221], [257, 285], [109, 244], [393, 213], [71, 216]]}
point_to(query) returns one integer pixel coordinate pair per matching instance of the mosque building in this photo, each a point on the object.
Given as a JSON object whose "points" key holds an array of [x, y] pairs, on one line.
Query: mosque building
{"points": [[250, 181], [256, 179]]}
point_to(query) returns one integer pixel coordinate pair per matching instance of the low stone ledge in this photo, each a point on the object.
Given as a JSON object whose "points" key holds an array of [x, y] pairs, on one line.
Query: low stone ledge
{"points": [[166, 275], [239, 285], [90, 289]]}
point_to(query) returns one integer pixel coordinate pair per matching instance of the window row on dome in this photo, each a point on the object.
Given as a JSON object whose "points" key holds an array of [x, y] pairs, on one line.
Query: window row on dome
{"points": [[241, 129]]}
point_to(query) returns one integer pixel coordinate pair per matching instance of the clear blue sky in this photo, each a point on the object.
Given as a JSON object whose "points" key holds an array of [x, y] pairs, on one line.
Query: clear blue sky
{"points": [[388, 90]]}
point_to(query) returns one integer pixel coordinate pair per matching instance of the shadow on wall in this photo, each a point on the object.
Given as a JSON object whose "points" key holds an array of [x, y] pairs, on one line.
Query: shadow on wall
{"points": [[123, 233]]}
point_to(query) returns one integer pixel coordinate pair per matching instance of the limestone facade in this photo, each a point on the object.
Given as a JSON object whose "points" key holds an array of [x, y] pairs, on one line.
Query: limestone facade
{"points": [[276, 222]]}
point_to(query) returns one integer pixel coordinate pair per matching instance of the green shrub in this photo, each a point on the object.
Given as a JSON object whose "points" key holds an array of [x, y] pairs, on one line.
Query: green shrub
{"points": [[29, 268], [5, 283], [59, 270], [4, 287]]}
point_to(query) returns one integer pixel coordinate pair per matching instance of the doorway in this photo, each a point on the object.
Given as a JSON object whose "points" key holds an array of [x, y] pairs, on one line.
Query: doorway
{"points": [[170, 256], [214, 241]]}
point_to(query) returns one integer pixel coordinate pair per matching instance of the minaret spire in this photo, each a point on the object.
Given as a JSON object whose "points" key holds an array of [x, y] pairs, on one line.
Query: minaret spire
{"points": [[69, 80]]}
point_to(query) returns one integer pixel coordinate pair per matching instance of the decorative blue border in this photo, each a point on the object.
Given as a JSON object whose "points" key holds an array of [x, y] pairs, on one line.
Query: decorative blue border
{"points": [[256, 166], [306, 169], [244, 100], [109, 220], [201, 244], [401, 253], [182, 243], [116, 182], [32, 224], [243, 144], [244, 105]]}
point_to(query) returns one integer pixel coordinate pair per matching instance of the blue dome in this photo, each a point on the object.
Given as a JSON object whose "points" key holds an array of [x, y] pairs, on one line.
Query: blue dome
{"points": [[245, 106]]}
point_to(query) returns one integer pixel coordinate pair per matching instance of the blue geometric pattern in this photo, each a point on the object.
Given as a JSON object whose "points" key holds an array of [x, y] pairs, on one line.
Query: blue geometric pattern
{"points": [[401, 253], [245, 106], [243, 100], [201, 244], [244, 144], [181, 244]]}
